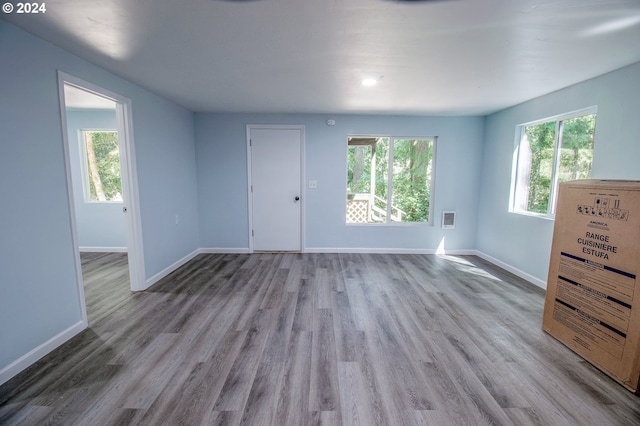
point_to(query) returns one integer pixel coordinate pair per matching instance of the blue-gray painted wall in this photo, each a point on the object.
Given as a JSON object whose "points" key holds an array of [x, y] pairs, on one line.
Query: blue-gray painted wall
{"points": [[221, 148]]}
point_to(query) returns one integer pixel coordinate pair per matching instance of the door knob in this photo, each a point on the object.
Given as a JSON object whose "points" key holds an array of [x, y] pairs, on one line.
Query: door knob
{"points": [[297, 198]]}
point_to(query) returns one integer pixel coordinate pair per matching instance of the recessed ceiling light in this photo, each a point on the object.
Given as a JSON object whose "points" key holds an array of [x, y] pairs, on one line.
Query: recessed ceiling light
{"points": [[369, 82]]}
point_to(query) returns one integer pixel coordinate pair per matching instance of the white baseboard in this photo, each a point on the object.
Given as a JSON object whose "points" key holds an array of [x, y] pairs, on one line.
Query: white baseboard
{"points": [[525, 276], [35, 354], [222, 250], [455, 252], [169, 269], [460, 252], [367, 250], [84, 249], [244, 250]]}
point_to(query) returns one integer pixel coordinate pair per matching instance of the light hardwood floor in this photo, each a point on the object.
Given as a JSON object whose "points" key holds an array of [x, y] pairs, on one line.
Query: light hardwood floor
{"points": [[309, 339]]}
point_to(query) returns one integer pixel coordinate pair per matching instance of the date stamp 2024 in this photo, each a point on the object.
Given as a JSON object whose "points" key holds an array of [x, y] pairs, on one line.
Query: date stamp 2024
{"points": [[24, 8]]}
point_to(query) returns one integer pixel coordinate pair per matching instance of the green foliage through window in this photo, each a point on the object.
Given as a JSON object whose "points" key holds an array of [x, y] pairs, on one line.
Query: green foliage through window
{"points": [[102, 165], [548, 153], [377, 193]]}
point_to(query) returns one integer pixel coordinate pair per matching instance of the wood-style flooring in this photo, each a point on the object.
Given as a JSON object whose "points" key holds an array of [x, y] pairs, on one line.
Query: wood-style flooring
{"points": [[310, 339]]}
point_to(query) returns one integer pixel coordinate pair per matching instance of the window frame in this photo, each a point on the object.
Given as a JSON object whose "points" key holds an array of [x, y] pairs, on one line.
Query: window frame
{"points": [[84, 168], [390, 158], [557, 143]]}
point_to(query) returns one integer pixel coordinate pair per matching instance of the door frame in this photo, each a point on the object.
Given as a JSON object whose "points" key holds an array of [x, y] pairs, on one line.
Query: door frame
{"points": [[129, 178], [303, 194]]}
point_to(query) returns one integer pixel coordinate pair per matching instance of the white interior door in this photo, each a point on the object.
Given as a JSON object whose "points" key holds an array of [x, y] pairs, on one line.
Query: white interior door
{"points": [[276, 184]]}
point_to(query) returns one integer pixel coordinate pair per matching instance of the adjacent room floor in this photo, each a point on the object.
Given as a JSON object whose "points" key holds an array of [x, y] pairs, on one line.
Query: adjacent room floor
{"points": [[301, 339]]}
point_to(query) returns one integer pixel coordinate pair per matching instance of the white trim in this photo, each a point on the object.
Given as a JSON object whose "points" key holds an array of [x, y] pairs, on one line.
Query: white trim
{"points": [[432, 184], [245, 250], [391, 224], [524, 275], [303, 187], [71, 200], [458, 252], [35, 354], [225, 250], [89, 249], [128, 175], [249, 191], [169, 269]]}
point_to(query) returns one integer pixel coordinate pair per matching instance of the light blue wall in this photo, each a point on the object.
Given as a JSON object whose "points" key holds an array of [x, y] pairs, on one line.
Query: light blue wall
{"points": [[38, 286], [222, 179], [165, 153], [98, 224], [524, 242]]}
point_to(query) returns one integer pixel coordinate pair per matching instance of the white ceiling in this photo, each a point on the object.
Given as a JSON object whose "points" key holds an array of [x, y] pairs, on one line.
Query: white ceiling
{"points": [[432, 57]]}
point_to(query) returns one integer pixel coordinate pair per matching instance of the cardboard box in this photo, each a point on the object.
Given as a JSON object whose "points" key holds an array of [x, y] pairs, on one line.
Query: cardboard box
{"points": [[592, 302]]}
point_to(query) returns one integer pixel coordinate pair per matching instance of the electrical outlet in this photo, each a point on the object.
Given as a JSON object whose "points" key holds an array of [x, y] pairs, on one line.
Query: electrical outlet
{"points": [[177, 219], [313, 184]]}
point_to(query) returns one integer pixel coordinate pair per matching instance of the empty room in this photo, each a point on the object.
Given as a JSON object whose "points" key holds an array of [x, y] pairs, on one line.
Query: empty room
{"points": [[448, 235]]}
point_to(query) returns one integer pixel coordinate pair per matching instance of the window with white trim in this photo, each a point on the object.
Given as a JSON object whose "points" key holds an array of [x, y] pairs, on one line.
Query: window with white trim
{"points": [[101, 166], [548, 152], [390, 179]]}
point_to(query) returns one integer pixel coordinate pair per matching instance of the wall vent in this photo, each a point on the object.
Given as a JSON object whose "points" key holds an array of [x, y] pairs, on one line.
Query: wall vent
{"points": [[448, 220]]}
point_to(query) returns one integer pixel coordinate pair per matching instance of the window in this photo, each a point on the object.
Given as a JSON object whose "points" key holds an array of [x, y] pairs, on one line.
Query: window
{"points": [[102, 166], [548, 152], [378, 193]]}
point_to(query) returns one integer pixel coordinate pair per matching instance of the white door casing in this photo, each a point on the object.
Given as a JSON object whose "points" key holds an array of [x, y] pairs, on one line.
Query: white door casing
{"points": [[276, 199], [129, 181]]}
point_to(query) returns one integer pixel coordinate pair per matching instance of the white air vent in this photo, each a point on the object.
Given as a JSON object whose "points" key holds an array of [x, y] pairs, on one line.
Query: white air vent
{"points": [[448, 220]]}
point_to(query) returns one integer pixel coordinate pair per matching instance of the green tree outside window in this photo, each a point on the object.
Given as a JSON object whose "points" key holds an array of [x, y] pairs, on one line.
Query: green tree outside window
{"points": [[378, 193], [103, 166], [549, 153]]}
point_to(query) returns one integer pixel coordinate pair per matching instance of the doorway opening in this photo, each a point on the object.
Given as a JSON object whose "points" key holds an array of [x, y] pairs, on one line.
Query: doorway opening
{"points": [[103, 195]]}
